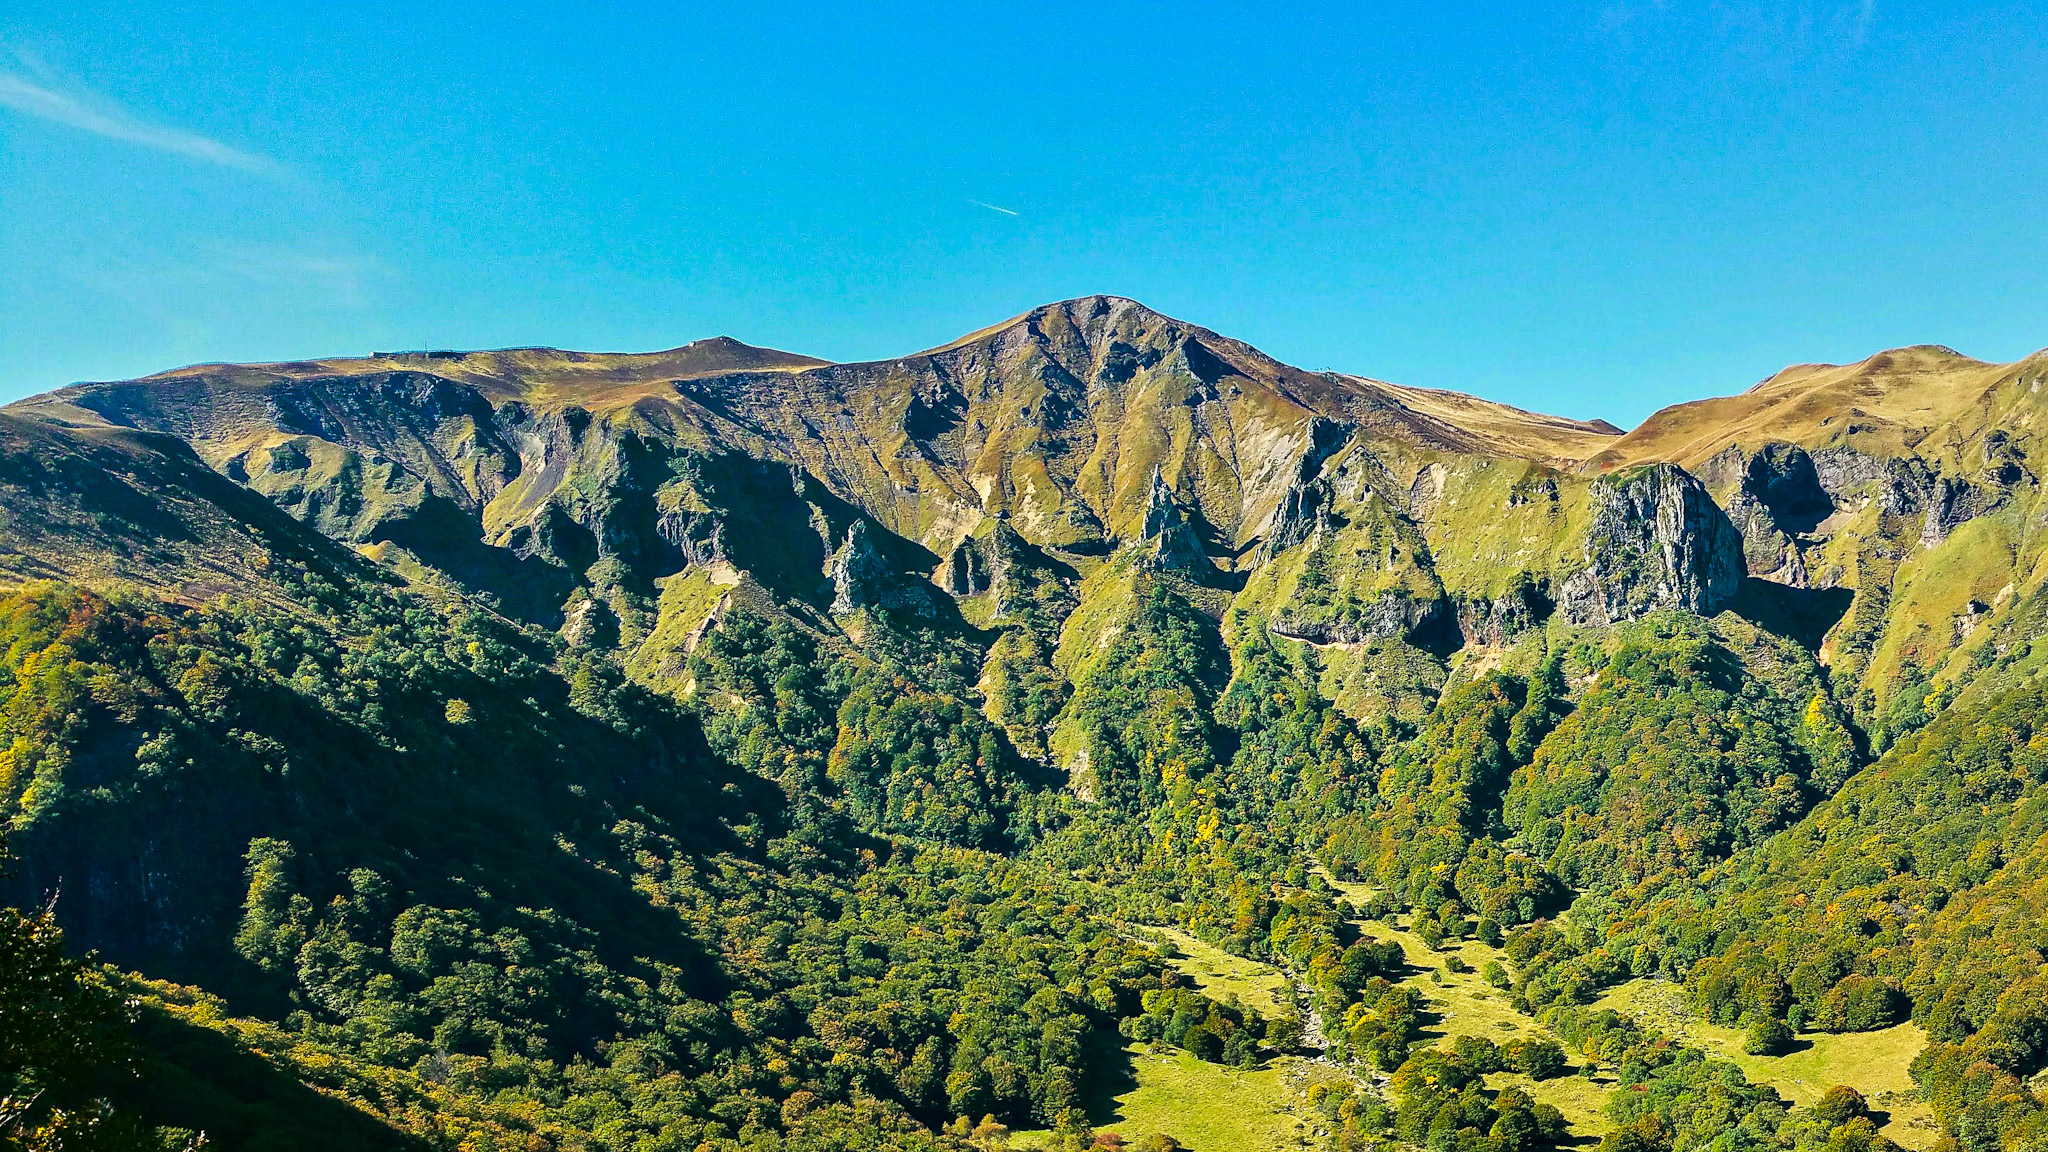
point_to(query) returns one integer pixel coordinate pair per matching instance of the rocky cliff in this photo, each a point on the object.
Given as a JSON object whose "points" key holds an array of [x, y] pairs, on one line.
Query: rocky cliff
{"points": [[986, 482], [1655, 540]]}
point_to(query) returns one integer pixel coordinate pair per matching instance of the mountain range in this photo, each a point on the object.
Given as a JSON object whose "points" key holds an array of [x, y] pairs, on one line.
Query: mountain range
{"points": [[611, 494], [558, 713]]}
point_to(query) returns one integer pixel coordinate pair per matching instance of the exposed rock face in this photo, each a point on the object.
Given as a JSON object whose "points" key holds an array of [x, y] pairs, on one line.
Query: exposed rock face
{"points": [[1496, 622], [1391, 615], [700, 536], [863, 577], [1305, 505], [1656, 540], [1426, 490], [1782, 480], [1304, 508], [1845, 473], [1908, 487], [1169, 539], [569, 490], [1953, 502], [1543, 490], [967, 571], [997, 560], [2004, 461], [1777, 501], [1900, 486]]}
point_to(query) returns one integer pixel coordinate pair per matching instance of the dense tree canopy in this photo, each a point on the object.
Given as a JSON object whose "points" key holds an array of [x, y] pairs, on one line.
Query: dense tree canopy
{"points": [[494, 892]]}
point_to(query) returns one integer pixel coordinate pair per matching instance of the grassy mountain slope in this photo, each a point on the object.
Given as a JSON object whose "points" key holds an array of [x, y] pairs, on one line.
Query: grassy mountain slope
{"points": [[1885, 405], [725, 748], [1055, 422]]}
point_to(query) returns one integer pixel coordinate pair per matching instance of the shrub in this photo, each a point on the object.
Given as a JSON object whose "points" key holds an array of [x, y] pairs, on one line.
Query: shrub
{"points": [[1480, 1054], [1284, 1033], [1839, 1105], [1862, 1004], [1536, 1059], [1766, 1036]]}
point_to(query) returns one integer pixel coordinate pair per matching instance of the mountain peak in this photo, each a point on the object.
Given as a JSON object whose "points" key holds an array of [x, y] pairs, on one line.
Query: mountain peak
{"points": [[1890, 362], [1095, 306]]}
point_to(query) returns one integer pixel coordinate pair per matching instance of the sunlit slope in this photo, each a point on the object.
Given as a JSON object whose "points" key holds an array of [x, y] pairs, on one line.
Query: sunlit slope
{"points": [[1392, 526], [113, 507], [1886, 405], [536, 476]]}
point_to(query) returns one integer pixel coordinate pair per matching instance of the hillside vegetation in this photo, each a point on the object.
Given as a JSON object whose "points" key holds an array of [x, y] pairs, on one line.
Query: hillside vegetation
{"points": [[1090, 732]]}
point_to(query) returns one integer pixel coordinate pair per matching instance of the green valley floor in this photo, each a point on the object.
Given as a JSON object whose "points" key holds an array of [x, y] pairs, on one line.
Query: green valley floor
{"points": [[1208, 1107]]}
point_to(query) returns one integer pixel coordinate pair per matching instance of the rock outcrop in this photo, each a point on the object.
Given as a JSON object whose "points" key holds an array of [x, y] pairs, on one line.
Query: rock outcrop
{"points": [[1017, 578], [1304, 507], [1905, 488], [1656, 539], [1395, 614], [864, 577], [1006, 469], [1776, 500], [970, 569], [1497, 621], [1170, 540]]}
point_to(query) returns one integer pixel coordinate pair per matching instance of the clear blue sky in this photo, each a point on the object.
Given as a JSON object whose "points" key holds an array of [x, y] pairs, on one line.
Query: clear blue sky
{"points": [[1588, 208]]}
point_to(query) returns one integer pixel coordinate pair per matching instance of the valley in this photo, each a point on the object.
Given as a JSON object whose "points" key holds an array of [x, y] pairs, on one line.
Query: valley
{"points": [[1268, 1109], [1089, 725]]}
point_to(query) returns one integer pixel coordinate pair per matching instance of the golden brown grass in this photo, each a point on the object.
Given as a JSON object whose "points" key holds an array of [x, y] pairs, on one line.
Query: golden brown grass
{"points": [[601, 381], [1890, 399], [1508, 431]]}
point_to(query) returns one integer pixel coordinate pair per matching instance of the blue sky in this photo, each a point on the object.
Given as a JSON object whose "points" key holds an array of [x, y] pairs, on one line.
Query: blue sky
{"points": [[1594, 209]]}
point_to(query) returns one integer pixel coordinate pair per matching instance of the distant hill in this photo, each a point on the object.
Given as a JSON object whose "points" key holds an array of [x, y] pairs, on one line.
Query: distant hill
{"points": [[1887, 404]]}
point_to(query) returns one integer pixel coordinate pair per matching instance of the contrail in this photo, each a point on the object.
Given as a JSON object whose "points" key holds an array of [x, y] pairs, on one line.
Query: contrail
{"points": [[992, 207]]}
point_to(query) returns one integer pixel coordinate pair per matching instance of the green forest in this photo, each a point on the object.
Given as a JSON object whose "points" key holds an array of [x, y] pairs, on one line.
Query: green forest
{"points": [[448, 883]]}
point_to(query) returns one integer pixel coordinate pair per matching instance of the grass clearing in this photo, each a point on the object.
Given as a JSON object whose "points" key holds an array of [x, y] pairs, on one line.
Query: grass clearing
{"points": [[1873, 1063], [1466, 1005], [1207, 1107], [1260, 987]]}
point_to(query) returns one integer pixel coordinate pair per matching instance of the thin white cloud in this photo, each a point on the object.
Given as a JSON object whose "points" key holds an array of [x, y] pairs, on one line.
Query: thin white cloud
{"points": [[992, 207], [335, 278], [86, 112]]}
